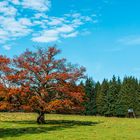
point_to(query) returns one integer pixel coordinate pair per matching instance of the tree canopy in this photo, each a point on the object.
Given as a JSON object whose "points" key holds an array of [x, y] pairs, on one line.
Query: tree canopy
{"points": [[39, 82]]}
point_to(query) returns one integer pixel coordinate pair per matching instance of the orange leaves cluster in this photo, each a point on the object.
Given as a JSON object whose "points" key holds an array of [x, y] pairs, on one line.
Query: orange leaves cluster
{"points": [[37, 104], [26, 108], [60, 106], [4, 106], [4, 62]]}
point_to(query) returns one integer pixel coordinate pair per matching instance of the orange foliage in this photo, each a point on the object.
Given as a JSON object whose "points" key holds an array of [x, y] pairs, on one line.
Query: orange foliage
{"points": [[39, 82]]}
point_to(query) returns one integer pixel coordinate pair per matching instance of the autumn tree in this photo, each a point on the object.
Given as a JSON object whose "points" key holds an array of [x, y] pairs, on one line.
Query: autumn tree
{"points": [[4, 83], [48, 84]]}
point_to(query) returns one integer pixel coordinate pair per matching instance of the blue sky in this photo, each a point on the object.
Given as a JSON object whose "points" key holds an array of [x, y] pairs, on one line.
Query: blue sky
{"points": [[102, 35]]}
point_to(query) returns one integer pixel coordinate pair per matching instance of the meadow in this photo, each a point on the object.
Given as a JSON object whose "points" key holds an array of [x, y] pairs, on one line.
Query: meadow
{"points": [[23, 126]]}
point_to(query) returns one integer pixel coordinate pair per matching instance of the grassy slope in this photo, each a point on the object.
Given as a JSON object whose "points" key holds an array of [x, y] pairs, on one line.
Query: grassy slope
{"points": [[22, 126]]}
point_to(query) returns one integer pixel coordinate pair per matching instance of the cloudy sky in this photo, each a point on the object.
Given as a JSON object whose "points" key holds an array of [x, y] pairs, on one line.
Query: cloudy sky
{"points": [[102, 35]]}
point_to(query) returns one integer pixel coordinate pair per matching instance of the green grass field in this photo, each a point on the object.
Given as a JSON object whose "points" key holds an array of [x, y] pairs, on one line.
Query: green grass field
{"points": [[22, 126]]}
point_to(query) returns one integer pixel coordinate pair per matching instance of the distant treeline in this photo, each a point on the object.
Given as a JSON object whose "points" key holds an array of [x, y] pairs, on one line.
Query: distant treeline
{"points": [[112, 98]]}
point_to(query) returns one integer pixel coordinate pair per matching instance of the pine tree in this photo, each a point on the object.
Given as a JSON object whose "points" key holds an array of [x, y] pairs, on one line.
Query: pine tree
{"points": [[111, 97], [90, 103], [128, 96], [100, 98], [138, 100]]}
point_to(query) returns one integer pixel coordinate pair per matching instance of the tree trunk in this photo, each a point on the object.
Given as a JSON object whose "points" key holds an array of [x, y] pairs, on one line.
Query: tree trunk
{"points": [[41, 118]]}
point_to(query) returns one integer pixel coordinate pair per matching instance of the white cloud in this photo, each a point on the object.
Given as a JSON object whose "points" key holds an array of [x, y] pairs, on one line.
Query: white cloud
{"points": [[25, 21], [6, 9], [74, 34], [13, 27], [77, 22], [16, 23], [65, 29], [7, 47], [16, 2], [39, 5], [40, 15], [47, 36], [3, 36], [76, 15], [56, 21], [53, 34], [60, 28]]}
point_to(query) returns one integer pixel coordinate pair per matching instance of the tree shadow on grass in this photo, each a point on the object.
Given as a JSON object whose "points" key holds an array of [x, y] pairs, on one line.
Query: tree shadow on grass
{"points": [[51, 125]]}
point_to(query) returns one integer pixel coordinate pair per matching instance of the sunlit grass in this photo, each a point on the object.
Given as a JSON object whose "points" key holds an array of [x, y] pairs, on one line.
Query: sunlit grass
{"points": [[22, 126]]}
